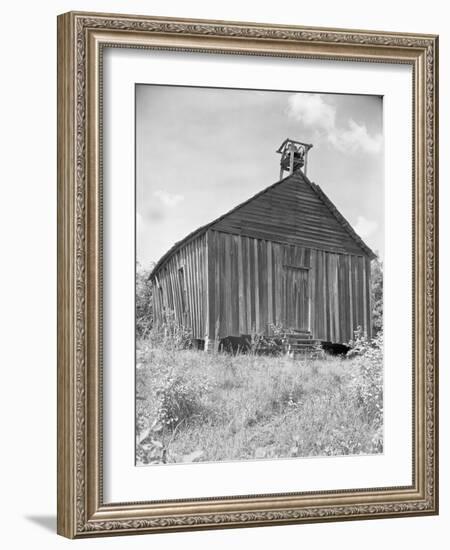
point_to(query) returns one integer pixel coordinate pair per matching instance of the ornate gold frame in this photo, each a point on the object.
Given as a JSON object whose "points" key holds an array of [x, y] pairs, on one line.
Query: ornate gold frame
{"points": [[81, 37]]}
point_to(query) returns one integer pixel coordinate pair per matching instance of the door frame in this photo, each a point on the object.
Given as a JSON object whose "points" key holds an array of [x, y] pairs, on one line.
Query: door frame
{"points": [[308, 286]]}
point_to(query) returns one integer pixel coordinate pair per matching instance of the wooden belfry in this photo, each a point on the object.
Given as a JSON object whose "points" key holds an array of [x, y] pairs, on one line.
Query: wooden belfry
{"points": [[294, 156]]}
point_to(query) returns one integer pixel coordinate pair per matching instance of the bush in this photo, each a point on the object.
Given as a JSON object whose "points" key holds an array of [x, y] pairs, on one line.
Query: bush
{"points": [[360, 344], [367, 384], [376, 292], [144, 309], [178, 400], [171, 335]]}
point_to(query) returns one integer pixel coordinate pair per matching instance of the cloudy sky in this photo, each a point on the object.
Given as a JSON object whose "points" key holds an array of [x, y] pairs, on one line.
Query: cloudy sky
{"points": [[202, 151]]}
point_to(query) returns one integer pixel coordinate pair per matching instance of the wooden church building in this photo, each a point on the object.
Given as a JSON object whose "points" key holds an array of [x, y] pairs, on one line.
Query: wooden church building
{"points": [[284, 257]]}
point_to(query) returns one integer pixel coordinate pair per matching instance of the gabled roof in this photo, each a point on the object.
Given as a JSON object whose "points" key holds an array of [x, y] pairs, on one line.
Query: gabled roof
{"points": [[300, 177]]}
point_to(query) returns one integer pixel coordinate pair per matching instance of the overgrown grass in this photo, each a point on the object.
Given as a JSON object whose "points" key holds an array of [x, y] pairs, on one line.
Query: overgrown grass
{"points": [[196, 406]]}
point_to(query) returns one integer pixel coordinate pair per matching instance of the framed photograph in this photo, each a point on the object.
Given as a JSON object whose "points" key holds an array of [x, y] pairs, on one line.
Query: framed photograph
{"points": [[247, 274]]}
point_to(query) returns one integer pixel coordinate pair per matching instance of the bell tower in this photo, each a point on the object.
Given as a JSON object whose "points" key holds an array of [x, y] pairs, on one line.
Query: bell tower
{"points": [[294, 156]]}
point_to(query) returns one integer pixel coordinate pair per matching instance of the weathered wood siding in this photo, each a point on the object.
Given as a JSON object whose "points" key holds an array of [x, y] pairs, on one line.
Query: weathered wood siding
{"points": [[284, 257], [251, 281], [292, 211], [179, 286]]}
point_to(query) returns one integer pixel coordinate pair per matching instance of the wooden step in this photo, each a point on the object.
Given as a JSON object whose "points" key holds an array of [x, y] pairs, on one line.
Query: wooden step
{"points": [[299, 333], [300, 347], [306, 347], [301, 342]]}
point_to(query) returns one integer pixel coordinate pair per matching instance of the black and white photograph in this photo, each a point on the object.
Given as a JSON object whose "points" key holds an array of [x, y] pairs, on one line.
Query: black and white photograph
{"points": [[223, 241], [259, 274]]}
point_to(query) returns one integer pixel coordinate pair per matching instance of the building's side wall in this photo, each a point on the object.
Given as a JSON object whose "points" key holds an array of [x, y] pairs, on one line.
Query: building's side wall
{"points": [[247, 287], [179, 286]]}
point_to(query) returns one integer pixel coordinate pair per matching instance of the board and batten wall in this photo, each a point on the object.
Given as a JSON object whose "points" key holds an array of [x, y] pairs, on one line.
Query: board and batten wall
{"points": [[179, 286], [221, 284], [247, 280]]}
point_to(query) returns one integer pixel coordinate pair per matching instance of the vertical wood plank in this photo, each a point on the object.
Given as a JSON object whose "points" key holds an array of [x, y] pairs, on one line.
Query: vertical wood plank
{"points": [[356, 291], [192, 288], [369, 297], [196, 250], [312, 294], [274, 276], [361, 293], [241, 286], [199, 280], [288, 297], [248, 287], [327, 335], [364, 295], [223, 287], [262, 245], [251, 254], [209, 286], [350, 296], [269, 285], [189, 281], [235, 286], [283, 256], [337, 334], [340, 296], [330, 301], [277, 281], [330, 309], [216, 254], [345, 330], [174, 291], [228, 285], [257, 308]]}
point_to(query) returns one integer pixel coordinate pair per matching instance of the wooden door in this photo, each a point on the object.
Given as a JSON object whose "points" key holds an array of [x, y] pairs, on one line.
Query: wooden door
{"points": [[297, 298]]}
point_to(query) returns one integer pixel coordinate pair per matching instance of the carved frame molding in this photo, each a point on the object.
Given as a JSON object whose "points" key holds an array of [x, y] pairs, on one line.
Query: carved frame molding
{"points": [[81, 37]]}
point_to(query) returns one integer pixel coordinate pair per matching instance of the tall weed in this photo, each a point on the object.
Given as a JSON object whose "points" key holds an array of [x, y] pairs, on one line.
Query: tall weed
{"points": [[367, 383], [221, 406]]}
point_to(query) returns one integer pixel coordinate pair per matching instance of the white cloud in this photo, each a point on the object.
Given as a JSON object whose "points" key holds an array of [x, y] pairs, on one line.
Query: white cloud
{"points": [[364, 227], [356, 138], [168, 199], [315, 112]]}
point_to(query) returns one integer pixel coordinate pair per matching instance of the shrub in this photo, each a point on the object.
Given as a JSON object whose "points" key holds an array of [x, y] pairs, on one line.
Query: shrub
{"points": [[144, 309], [360, 344], [149, 447], [367, 383], [171, 335], [258, 342], [273, 344], [178, 400], [376, 292]]}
